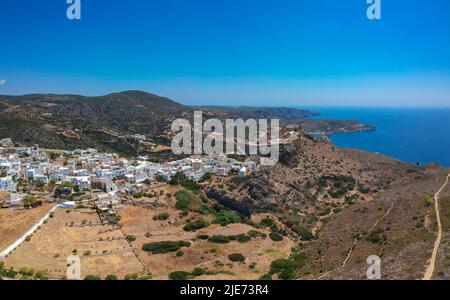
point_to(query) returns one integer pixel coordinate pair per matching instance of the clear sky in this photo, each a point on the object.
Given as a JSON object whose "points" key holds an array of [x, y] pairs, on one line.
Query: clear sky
{"points": [[231, 52]]}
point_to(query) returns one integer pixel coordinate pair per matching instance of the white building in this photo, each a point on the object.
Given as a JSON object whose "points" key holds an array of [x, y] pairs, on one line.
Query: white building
{"points": [[7, 184], [243, 172], [69, 204]]}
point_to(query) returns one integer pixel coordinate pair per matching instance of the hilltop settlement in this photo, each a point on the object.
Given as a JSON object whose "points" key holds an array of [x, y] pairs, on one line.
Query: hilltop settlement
{"points": [[82, 175]]}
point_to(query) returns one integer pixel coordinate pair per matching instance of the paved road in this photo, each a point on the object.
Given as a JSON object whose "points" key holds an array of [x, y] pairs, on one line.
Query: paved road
{"points": [[430, 269], [20, 240]]}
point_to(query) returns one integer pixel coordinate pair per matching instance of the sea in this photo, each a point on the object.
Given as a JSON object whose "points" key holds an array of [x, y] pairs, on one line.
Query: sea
{"points": [[415, 135]]}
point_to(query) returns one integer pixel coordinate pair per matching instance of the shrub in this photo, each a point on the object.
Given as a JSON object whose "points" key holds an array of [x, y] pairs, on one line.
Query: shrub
{"points": [[11, 274], [236, 257], [225, 217], [111, 277], [376, 236], [196, 225], [92, 277], [304, 234], [26, 272], [266, 277], [87, 253], [179, 253], [185, 182], [219, 239], [184, 199], [133, 276], [161, 217], [288, 274], [130, 238], [428, 200], [287, 268], [41, 275], [165, 247], [267, 222], [275, 236], [203, 236], [198, 272], [179, 275], [242, 238]]}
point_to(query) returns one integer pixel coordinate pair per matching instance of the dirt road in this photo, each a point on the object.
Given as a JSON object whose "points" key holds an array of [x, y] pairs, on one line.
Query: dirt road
{"points": [[430, 269]]}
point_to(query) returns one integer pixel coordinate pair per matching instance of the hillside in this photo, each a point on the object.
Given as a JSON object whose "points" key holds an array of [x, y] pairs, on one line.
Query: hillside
{"points": [[72, 121], [344, 205], [107, 122]]}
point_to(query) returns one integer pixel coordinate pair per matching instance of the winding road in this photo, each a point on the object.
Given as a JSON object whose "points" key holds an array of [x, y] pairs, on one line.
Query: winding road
{"points": [[430, 269]]}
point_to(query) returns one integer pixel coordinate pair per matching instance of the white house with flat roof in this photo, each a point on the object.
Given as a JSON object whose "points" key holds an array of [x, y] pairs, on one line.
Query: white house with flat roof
{"points": [[7, 184]]}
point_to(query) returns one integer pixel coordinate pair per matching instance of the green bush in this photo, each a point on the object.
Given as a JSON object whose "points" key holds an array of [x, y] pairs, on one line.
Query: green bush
{"points": [[26, 272], [161, 217], [165, 247], [179, 253], [287, 268], [203, 237], [376, 236], [133, 276], [266, 277], [428, 200], [236, 257], [11, 274], [267, 222], [181, 179], [225, 217], [130, 238], [196, 225], [275, 236], [184, 199], [111, 277], [92, 277], [243, 238], [219, 239], [198, 272], [303, 233], [41, 275], [179, 275]]}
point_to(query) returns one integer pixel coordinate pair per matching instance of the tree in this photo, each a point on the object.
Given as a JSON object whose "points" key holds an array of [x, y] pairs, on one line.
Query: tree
{"points": [[275, 236], [236, 257], [195, 225], [92, 277], [179, 275], [130, 238], [161, 217]]}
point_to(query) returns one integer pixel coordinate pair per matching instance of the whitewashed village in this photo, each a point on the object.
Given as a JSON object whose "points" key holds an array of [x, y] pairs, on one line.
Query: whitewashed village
{"points": [[128, 218], [71, 177]]}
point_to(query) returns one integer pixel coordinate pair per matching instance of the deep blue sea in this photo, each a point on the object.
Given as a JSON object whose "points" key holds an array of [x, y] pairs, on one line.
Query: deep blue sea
{"points": [[417, 135]]}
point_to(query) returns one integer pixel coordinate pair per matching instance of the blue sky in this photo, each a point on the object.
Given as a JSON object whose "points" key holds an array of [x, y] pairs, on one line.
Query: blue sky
{"points": [[231, 52]]}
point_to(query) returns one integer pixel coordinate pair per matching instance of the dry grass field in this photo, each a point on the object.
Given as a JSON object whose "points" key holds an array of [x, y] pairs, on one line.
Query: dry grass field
{"points": [[259, 252], [14, 223], [104, 249], [78, 230]]}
